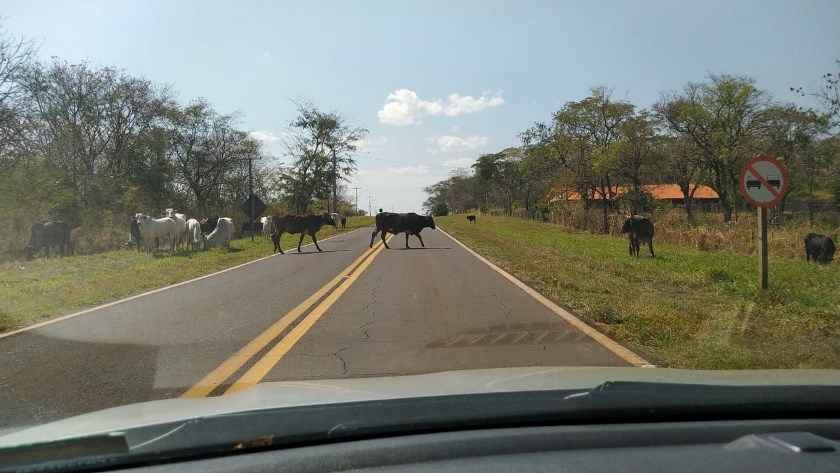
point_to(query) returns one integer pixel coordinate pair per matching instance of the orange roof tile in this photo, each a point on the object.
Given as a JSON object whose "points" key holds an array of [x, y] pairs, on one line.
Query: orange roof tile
{"points": [[658, 191]]}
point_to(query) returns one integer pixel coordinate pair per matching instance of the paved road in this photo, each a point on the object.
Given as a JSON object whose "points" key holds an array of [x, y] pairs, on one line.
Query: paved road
{"points": [[379, 312]]}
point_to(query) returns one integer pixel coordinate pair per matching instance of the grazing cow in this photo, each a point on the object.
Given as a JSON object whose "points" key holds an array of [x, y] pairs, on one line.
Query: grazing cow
{"points": [[334, 217], [266, 226], [194, 231], [221, 236], [343, 222], [165, 229], [48, 234], [410, 224], [639, 230], [820, 248], [303, 224], [471, 218], [209, 224]]}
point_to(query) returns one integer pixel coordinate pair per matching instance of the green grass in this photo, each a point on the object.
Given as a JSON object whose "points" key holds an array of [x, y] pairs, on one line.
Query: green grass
{"points": [[35, 290], [686, 308]]}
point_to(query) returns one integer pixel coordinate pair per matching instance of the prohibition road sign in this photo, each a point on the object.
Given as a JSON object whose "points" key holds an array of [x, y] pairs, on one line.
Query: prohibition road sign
{"points": [[764, 181]]}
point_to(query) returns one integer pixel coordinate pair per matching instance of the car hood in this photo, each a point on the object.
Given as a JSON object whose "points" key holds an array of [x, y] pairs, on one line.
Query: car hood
{"points": [[319, 392]]}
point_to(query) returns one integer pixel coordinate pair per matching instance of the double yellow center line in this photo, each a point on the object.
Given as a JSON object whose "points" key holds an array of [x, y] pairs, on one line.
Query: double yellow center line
{"points": [[260, 369]]}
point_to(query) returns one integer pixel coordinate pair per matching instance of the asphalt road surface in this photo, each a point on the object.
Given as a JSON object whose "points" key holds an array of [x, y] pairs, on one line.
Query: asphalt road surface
{"points": [[349, 311]]}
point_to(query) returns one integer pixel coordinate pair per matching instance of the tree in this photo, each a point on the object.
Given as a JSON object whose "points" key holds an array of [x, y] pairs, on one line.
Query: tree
{"points": [[827, 95], [15, 56], [502, 171], [459, 193], [683, 166], [592, 128], [537, 170], [321, 150], [209, 154], [792, 135], [723, 117], [638, 157]]}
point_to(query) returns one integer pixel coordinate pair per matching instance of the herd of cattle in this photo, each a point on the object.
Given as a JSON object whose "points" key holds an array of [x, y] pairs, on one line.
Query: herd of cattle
{"points": [[176, 231]]}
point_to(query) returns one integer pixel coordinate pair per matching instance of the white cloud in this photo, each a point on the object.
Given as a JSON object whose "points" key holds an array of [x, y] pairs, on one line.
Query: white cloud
{"points": [[449, 143], [267, 136], [459, 162], [468, 104], [405, 107]]}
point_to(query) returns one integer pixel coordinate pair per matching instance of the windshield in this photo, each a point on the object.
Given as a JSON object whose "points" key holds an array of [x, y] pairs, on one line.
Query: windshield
{"points": [[197, 198]]}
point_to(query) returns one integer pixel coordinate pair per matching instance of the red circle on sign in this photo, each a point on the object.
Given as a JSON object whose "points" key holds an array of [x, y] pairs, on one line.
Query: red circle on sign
{"points": [[749, 168]]}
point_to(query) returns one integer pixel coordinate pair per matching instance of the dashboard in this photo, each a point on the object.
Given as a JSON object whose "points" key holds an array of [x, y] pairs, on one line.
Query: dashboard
{"points": [[790, 445]]}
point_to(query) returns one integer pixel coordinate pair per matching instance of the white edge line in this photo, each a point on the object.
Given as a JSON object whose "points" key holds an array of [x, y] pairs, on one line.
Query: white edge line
{"points": [[153, 291], [599, 337]]}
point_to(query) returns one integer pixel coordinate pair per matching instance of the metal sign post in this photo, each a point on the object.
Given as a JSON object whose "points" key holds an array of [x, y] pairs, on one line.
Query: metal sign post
{"points": [[764, 182]]}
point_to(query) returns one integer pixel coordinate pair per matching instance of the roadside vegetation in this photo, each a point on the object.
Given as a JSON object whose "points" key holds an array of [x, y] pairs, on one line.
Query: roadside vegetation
{"points": [[31, 291], [685, 308], [94, 145]]}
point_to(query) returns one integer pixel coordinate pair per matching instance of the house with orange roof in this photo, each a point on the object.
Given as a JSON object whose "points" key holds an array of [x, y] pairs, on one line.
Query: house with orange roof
{"points": [[669, 192]]}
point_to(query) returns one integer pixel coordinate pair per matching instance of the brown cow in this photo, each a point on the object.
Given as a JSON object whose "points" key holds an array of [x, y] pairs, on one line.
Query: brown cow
{"points": [[303, 224]]}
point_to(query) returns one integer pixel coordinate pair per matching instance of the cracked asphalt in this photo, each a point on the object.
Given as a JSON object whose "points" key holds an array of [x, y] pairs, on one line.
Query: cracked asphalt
{"points": [[411, 311], [438, 308]]}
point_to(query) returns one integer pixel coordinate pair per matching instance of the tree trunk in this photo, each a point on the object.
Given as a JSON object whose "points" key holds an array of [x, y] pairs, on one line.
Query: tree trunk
{"points": [[334, 184], [605, 199]]}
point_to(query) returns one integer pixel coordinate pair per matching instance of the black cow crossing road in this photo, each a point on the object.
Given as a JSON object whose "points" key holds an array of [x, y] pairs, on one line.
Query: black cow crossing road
{"points": [[348, 311]]}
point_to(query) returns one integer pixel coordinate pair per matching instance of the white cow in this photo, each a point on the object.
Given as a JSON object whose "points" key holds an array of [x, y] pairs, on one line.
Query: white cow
{"points": [[221, 236], [195, 237], [335, 220], [181, 221], [266, 226], [164, 229]]}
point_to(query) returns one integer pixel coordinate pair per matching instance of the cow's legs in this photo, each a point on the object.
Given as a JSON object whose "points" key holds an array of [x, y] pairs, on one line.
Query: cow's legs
{"points": [[275, 238], [650, 246], [303, 234], [406, 240], [383, 239], [315, 240], [373, 235]]}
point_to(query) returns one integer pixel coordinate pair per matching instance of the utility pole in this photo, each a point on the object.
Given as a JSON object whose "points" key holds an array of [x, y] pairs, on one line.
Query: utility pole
{"points": [[357, 199], [335, 182], [370, 207], [251, 193]]}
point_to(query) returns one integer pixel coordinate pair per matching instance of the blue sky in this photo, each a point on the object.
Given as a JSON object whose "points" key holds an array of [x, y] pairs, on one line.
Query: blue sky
{"points": [[437, 83]]}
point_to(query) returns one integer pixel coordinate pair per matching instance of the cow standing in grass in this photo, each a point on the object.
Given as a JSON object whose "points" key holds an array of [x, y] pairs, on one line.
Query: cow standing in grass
{"points": [[819, 248], [165, 229], [47, 234], [303, 224], [639, 230]]}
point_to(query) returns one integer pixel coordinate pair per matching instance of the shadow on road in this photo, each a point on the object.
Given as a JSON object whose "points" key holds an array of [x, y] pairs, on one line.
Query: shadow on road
{"points": [[313, 252], [425, 248]]}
